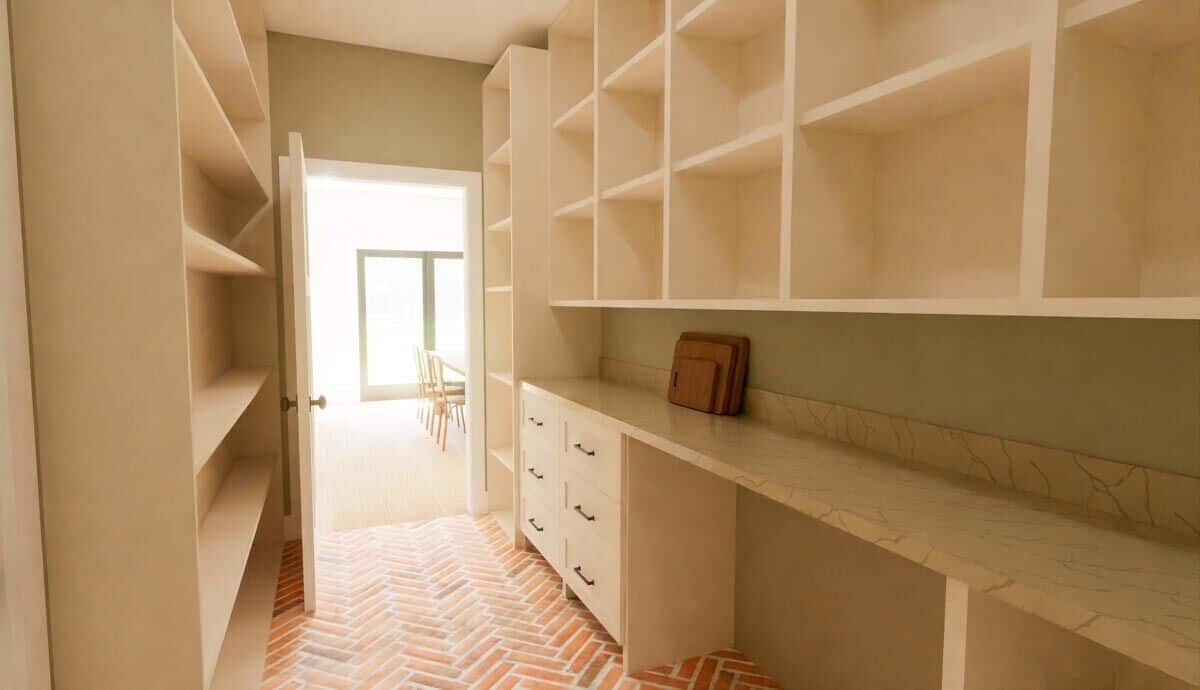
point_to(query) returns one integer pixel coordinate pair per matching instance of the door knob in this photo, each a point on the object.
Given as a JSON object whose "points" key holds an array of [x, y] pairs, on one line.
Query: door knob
{"points": [[289, 403], [320, 402]]}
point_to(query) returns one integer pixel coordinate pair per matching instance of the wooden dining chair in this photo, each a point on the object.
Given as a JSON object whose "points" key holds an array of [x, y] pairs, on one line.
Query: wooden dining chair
{"points": [[447, 403]]}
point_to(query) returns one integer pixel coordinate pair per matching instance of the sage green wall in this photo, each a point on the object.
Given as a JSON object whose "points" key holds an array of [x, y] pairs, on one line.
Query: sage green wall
{"points": [[1119, 389], [367, 105]]}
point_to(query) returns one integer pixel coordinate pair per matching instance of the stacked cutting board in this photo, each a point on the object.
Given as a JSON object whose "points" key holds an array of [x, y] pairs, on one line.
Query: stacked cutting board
{"points": [[709, 372]]}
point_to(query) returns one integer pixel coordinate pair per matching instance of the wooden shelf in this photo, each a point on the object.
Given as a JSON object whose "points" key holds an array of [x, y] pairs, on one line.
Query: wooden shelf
{"points": [[210, 256], [504, 456], [761, 149], [225, 538], [218, 406], [500, 289], [580, 117], [504, 377], [1137, 24], [1181, 308], [648, 187], [244, 651], [205, 133], [503, 155], [932, 91], [212, 31], [584, 209], [731, 20], [645, 72]]}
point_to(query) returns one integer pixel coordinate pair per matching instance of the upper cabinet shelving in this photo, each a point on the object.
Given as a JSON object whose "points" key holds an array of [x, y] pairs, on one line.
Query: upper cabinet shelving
{"points": [[877, 156], [212, 30]]}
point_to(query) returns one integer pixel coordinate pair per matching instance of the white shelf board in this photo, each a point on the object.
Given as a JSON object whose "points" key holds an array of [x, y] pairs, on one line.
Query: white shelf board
{"points": [[579, 117], [218, 406], [648, 187], [504, 456], [212, 31], [584, 209], [244, 650], [1180, 308], [205, 134], [505, 518], [502, 155], [205, 254], [645, 72], [759, 150], [1138, 24], [501, 226], [932, 91], [500, 289], [224, 542], [732, 20], [501, 376]]}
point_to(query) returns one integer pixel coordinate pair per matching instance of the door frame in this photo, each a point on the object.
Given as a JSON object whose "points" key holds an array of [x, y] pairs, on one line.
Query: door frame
{"points": [[429, 308], [472, 184]]}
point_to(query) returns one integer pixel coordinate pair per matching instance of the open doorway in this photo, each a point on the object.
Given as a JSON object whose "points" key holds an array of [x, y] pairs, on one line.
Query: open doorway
{"points": [[390, 283]]}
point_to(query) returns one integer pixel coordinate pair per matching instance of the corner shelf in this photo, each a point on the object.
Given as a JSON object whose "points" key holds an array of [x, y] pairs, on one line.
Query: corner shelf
{"points": [[212, 30], [731, 20], [645, 72], [504, 456], [218, 406], [584, 209], [648, 187], [761, 149], [205, 133], [580, 117], [210, 256], [224, 542], [932, 91]]}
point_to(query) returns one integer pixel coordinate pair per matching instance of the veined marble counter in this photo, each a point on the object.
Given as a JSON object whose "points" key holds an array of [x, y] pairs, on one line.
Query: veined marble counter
{"points": [[1133, 591]]}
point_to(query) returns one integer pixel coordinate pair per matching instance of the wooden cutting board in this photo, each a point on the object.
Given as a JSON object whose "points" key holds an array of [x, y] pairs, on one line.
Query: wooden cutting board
{"points": [[701, 375], [741, 365]]}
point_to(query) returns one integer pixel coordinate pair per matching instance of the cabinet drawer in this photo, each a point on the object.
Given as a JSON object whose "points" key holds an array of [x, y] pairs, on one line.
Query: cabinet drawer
{"points": [[539, 472], [595, 576], [592, 452], [539, 420], [539, 522], [591, 514]]}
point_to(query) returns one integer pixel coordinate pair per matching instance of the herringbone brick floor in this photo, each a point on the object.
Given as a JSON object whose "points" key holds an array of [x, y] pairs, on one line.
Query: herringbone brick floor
{"points": [[448, 604]]}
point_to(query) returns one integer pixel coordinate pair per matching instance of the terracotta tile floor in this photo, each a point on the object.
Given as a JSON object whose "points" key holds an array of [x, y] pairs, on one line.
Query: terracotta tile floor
{"points": [[447, 604]]}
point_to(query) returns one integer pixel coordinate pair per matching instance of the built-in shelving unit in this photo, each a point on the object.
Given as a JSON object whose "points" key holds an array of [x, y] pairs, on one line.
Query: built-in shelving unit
{"points": [[218, 406], [210, 256], [861, 156], [522, 213]]}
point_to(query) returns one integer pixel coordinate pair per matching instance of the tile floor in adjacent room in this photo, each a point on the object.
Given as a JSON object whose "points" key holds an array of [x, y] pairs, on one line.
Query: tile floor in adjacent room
{"points": [[448, 603]]}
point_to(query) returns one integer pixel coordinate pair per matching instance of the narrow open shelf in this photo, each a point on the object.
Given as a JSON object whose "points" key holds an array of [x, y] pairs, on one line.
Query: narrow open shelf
{"points": [[504, 456], [501, 226], [731, 20], [648, 187], [580, 117], [505, 518], [1138, 24], [761, 149], [225, 538], [500, 289], [212, 30], [932, 91], [504, 377], [210, 256], [205, 133], [645, 72], [503, 155], [218, 406], [244, 651], [583, 209]]}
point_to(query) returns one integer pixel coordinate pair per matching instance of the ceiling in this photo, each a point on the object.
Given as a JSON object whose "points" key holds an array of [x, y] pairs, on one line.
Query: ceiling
{"points": [[471, 30]]}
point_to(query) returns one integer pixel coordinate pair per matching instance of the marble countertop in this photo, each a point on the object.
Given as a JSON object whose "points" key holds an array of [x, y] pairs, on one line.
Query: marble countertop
{"points": [[1136, 592]]}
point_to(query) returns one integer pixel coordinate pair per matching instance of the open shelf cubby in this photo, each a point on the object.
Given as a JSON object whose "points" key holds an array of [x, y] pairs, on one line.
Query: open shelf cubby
{"points": [[632, 41], [909, 177], [1124, 215], [572, 45], [572, 259]]}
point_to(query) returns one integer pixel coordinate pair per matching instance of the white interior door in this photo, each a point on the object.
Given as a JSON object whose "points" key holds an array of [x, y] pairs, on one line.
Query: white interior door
{"points": [[302, 370]]}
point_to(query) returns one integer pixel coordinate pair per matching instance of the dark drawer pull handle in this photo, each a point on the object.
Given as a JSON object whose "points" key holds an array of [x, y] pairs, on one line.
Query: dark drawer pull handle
{"points": [[536, 422], [535, 525], [589, 518], [533, 471], [579, 447], [579, 571]]}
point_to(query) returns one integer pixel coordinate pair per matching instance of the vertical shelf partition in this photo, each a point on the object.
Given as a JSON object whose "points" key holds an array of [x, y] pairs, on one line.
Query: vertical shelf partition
{"points": [[870, 156]]}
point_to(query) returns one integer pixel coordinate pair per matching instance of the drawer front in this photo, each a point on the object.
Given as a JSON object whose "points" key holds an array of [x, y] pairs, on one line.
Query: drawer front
{"points": [[590, 514], [594, 575], [539, 472], [592, 452], [539, 420], [539, 522]]}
